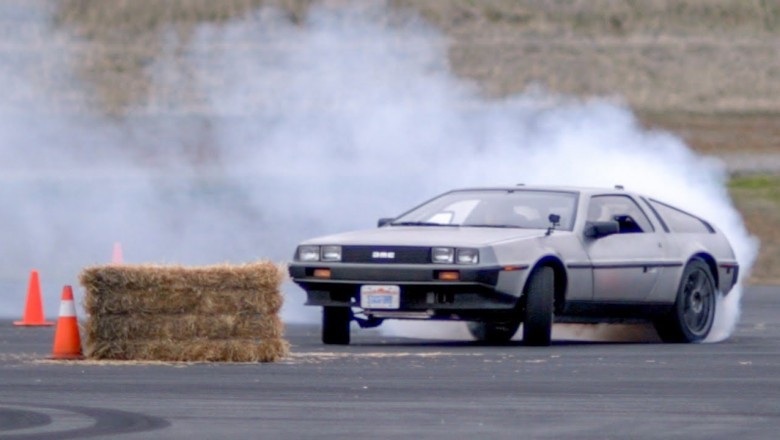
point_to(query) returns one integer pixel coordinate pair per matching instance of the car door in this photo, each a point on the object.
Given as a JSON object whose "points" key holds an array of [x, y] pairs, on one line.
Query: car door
{"points": [[625, 264]]}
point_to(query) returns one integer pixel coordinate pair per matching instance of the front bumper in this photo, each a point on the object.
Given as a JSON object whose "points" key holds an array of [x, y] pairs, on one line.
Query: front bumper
{"points": [[477, 292]]}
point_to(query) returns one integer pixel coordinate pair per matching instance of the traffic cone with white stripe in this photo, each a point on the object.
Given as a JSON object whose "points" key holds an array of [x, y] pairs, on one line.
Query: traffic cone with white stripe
{"points": [[67, 341]]}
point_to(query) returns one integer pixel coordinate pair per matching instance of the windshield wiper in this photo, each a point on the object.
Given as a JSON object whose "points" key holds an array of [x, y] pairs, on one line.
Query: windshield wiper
{"points": [[420, 224]]}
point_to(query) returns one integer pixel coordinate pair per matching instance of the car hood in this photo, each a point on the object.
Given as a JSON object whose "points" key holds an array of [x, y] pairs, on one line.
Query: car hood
{"points": [[427, 236]]}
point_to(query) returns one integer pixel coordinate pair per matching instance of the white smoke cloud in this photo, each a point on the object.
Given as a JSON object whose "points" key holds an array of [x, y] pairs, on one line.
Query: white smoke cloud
{"points": [[317, 129]]}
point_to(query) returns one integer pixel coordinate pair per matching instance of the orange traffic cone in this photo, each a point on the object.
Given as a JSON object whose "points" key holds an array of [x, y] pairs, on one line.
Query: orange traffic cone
{"points": [[116, 257], [67, 342], [33, 310]]}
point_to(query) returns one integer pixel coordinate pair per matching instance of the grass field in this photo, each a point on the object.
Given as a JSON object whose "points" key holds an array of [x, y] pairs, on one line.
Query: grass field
{"points": [[660, 56], [722, 133]]}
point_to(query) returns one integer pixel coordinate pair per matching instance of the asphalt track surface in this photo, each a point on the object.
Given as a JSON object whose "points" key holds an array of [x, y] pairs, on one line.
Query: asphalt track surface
{"points": [[382, 387]]}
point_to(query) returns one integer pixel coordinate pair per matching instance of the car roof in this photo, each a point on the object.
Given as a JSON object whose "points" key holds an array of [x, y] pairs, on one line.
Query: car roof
{"points": [[578, 189]]}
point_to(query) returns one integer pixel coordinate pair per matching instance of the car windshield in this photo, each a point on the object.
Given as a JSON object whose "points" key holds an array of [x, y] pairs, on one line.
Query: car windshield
{"points": [[495, 208]]}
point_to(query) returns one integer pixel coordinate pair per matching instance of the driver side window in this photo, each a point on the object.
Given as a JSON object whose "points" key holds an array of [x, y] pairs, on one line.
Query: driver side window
{"points": [[621, 209]]}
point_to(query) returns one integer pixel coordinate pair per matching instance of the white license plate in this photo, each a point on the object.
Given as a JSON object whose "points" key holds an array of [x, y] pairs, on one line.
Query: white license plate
{"points": [[380, 297]]}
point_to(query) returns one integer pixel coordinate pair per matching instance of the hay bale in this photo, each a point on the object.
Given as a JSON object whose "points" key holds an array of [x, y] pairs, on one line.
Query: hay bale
{"points": [[172, 313], [193, 300], [254, 276], [184, 327], [196, 350]]}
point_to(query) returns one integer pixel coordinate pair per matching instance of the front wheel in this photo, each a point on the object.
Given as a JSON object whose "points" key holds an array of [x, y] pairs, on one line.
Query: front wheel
{"points": [[694, 309], [538, 316], [335, 325], [493, 332]]}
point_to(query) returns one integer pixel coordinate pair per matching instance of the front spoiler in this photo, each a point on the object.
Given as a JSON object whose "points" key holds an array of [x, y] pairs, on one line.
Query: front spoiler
{"points": [[422, 295]]}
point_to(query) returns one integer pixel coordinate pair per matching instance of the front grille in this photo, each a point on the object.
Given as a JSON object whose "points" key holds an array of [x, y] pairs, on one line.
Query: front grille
{"points": [[382, 254]]}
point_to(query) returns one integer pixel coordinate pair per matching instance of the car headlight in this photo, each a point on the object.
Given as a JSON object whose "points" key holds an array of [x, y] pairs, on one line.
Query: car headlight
{"points": [[446, 255], [308, 253], [331, 253], [467, 256], [443, 255]]}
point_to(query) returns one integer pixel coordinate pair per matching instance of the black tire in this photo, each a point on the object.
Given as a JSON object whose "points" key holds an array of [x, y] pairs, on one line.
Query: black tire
{"points": [[691, 318], [493, 332], [335, 325], [538, 315]]}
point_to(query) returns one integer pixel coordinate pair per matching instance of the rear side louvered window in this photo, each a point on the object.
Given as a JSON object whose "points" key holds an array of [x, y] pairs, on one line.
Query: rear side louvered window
{"points": [[680, 221]]}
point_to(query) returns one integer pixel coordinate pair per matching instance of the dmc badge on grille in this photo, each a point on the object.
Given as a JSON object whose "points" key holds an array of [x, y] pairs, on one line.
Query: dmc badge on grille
{"points": [[383, 255]]}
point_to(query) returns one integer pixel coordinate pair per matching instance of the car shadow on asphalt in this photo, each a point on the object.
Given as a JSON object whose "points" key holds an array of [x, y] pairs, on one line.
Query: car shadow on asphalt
{"points": [[389, 343]]}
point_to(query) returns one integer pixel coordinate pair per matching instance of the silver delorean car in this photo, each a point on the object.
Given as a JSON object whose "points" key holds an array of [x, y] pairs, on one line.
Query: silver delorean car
{"points": [[501, 257]]}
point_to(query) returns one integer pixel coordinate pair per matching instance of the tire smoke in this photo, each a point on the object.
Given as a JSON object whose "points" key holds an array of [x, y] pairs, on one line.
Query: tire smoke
{"points": [[306, 130]]}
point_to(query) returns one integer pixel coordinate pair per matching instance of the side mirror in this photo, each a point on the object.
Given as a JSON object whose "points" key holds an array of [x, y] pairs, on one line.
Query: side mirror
{"points": [[384, 221], [601, 229], [627, 224], [555, 221]]}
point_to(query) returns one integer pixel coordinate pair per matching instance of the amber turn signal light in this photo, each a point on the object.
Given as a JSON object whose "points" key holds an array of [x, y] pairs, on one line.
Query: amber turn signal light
{"points": [[321, 273], [449, 275], [513, 268]]}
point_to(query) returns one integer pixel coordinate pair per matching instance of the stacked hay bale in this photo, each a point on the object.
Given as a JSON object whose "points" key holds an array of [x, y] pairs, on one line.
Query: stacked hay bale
{"points": [[214, 313]]}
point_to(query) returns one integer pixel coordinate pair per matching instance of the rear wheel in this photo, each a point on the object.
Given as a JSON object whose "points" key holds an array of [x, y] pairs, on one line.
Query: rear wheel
{"points": [[538, 315], [335, 325], [493, 332], [694, 309]]}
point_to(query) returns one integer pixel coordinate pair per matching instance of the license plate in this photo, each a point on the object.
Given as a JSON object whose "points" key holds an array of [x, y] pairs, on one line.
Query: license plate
{"points": [[380, 297]]}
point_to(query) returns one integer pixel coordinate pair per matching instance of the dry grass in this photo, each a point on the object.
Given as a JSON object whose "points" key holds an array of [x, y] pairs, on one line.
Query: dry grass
{"points": [[213, 313], [722, 133], [194, 350], [121, 39], [185, 300], [264, 275], [599, 17], [699, 56], [659, 55], [185, 327], [206, 290]]}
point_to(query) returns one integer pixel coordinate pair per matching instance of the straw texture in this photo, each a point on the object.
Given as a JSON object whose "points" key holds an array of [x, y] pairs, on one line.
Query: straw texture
{"points": [[227, 313]]}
